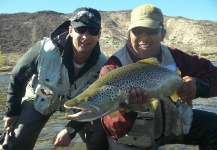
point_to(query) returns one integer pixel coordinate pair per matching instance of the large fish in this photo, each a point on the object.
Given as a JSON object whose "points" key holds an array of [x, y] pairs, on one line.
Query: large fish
{"points": [[105, 94]]}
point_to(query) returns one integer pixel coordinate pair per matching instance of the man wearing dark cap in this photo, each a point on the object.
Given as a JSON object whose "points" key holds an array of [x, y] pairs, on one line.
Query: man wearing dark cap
{"points": [[54, 70], [158, 125]]}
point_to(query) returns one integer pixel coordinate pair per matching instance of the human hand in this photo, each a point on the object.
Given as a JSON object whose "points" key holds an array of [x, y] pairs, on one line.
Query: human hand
{"points": [[62, 139], [188, 90], [136, 96], [10, 121]]}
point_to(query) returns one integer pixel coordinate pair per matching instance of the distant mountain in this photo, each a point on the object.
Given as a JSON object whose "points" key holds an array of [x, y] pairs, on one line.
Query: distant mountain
{"points": [[20, 31]]}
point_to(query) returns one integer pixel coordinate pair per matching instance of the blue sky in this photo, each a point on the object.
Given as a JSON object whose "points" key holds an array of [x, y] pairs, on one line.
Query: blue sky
{"points": [[193, 9]]}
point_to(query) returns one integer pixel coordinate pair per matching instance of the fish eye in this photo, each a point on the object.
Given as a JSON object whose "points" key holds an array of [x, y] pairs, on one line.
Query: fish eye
{"points": [[89, 99]]}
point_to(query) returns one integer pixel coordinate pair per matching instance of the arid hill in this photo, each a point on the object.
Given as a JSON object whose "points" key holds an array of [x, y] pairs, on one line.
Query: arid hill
{"points": [[20, 31]]}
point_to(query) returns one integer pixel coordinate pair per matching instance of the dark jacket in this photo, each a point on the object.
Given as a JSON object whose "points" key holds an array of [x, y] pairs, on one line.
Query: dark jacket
{"points": [[27, 66]]}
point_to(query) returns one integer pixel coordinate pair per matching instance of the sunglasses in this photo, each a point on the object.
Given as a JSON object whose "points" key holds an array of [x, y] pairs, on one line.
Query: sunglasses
{"points": [[148, 31], [91, 31], [85, 17]]}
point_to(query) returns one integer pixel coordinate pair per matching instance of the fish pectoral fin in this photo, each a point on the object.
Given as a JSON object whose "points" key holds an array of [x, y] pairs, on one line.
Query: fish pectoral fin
{"points": [[114, 114], [116, 111], [131, 107], [128, 107]]}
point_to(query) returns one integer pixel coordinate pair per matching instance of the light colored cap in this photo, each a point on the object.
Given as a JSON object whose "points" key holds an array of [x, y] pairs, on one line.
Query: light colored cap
{"points": [[147, 16]]}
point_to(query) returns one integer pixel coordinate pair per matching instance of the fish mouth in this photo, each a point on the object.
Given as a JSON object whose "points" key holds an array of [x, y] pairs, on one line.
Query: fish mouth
{"points": [[78, 114], [89, 112], [81, 111], [84, 108]]}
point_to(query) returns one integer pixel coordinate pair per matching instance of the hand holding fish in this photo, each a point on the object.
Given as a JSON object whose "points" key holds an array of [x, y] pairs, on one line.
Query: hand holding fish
{"points": [[104, 95], [136, 96], [188, 90], [10, 121]]}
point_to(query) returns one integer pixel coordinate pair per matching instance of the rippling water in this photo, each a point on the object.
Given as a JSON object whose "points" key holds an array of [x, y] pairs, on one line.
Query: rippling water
{"points": [[58, 121]]}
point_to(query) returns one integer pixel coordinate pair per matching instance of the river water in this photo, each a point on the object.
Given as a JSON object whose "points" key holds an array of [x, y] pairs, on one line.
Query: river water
{"points": [[58, 121]]}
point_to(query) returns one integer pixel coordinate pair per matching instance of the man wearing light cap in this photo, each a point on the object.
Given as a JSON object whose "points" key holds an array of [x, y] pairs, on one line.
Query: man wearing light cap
{"points": [[147, 16], [158, 125], [54, 70]]}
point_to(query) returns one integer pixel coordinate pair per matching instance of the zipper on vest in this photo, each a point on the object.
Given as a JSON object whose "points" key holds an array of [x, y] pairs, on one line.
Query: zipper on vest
{"points": [[69, 95], [75, 86], [70, 90]]}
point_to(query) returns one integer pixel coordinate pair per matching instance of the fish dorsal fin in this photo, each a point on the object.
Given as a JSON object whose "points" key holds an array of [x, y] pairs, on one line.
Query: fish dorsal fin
{"points": [[151, 60]]}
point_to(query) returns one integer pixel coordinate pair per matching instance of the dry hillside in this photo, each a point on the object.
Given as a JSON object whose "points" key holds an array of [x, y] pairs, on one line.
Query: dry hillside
{"points": [[20, 31]]}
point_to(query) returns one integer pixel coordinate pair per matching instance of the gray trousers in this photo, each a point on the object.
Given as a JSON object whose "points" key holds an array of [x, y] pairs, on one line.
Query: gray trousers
{"points": [[94, 136], [27, 128]]}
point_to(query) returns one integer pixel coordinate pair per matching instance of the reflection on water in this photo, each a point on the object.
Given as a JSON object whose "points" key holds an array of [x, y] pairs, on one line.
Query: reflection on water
{"points": [[58, 121]]}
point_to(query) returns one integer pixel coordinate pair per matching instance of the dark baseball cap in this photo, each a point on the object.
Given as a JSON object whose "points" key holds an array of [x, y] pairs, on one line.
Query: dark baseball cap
{"points": [[86, 16]]}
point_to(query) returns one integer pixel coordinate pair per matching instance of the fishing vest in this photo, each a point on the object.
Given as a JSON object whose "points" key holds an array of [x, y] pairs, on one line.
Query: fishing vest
{"points": [[50, 88], [162, 119]]}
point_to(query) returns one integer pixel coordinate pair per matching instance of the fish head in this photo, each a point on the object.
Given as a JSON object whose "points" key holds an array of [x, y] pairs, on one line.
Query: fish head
{"points": [[95, 103]]}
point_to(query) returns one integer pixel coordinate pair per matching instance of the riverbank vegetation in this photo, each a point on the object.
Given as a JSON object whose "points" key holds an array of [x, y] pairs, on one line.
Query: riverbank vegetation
{"points": [[8, 61], [1, 58]]}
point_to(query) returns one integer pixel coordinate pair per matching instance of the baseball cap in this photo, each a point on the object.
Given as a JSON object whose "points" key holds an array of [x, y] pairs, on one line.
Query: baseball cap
{"points": [[86, 16], [147, 16]]}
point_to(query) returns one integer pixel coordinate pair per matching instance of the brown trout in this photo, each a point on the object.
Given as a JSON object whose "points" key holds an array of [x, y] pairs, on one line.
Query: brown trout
{"points": [[104, 95]]}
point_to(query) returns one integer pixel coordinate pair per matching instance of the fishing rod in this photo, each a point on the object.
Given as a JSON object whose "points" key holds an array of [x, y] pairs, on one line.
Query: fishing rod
{"points": [[5, 144]]}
